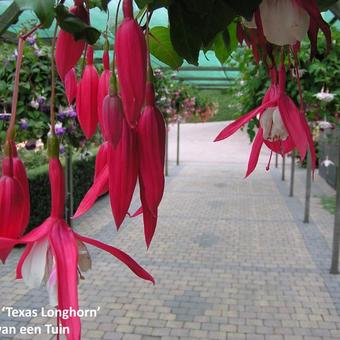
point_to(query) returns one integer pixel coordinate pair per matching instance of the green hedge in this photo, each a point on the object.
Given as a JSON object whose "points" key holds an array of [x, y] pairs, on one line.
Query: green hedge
{"points": [[83, 171]]}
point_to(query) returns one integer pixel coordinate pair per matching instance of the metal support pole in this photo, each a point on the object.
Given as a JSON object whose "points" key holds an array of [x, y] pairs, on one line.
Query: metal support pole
{"points": [[336, 232], [292, 174], [276, 160], [167, 148], [178, 139], [308, 188], [283, 168], [69, 185]]}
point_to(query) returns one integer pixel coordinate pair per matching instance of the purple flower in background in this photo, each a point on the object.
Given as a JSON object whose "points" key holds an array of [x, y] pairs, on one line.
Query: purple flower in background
{"points": [[61, 114], [31, 39], [41, 100], [62, 149], [23, 123], [5, 116], [71, 112], [71, 129], [5, 62], [34, 103], [30, 145], [59, 130], [37, 51]]}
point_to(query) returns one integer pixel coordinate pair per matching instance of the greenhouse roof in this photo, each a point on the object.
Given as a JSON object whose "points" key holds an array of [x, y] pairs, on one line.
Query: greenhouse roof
{"points": [[209, 74]]}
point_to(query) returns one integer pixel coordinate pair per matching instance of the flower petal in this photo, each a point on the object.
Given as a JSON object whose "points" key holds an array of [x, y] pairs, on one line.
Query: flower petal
{"points": [[94, 192], [255, 152], [33, 268], [120, 255], [63, 242]]}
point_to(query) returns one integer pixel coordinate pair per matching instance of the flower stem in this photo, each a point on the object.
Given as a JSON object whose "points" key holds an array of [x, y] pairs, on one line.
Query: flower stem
{"points": [[21, 44], [52, 109], [296, 64], [11, 127]]}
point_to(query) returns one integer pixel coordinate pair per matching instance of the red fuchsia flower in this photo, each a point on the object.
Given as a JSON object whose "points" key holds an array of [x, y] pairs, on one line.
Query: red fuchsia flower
{"points": [[87, 97], [113, 120], [113, 117], [14, 203], [103, 87], [282, 126], [69, 50], [130, 47], [55, 255], [70, 84], [123, 170], [151, 142], [101, 163]]}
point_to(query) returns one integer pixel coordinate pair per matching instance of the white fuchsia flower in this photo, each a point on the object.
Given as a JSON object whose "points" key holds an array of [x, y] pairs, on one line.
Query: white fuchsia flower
{"points": [[284, 22], [325, 96], [327, 162]]}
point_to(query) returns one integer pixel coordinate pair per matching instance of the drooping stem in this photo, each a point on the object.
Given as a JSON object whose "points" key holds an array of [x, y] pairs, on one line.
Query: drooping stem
{"points": [[21, 45], [52, 109], [296, 64], [11, 127], [113, 82]]}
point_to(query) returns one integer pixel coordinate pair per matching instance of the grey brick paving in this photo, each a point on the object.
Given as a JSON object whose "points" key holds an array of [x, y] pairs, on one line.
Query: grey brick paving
{"points": [[231, 257]]}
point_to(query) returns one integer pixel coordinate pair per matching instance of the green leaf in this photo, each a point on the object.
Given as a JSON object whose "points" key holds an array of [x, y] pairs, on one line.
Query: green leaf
{"points": [[44, 9], [183, 32], [245, 8], [220, 48], [326, 4], [153, 4], [162, 48], [101, 4], [9, 17], [74, 25]]}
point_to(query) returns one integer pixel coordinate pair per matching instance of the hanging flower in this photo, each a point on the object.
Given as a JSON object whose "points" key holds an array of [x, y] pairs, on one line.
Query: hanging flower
{"points": [[327, 162], [325, 96], [151, 141], [14, 199], [103, 87], [56, 256], [69, 50], [284, 21], [123, 170], [112, 119], [130, 50], [35, 104], [71, 85], [282, 126], [59, 129], [23, 124], [87, 97]]}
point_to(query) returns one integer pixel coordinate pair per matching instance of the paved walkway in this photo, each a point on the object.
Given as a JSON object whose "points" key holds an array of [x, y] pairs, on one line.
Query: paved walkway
{"points": [[231, 257]]}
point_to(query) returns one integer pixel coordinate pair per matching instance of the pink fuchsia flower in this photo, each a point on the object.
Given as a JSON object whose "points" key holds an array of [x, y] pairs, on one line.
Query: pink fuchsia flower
{"points": [[55, 255], [103, 87], [70, 84], [14, 198], [151, 141], [87, 96], [112, 119], [123, 173], [101, 163], [130, 47], [282, 126], [69, 50]]}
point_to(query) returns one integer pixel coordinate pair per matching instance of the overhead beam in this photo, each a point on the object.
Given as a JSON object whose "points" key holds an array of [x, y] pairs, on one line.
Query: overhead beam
{"points": [[219, 79], [203, 68]]}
